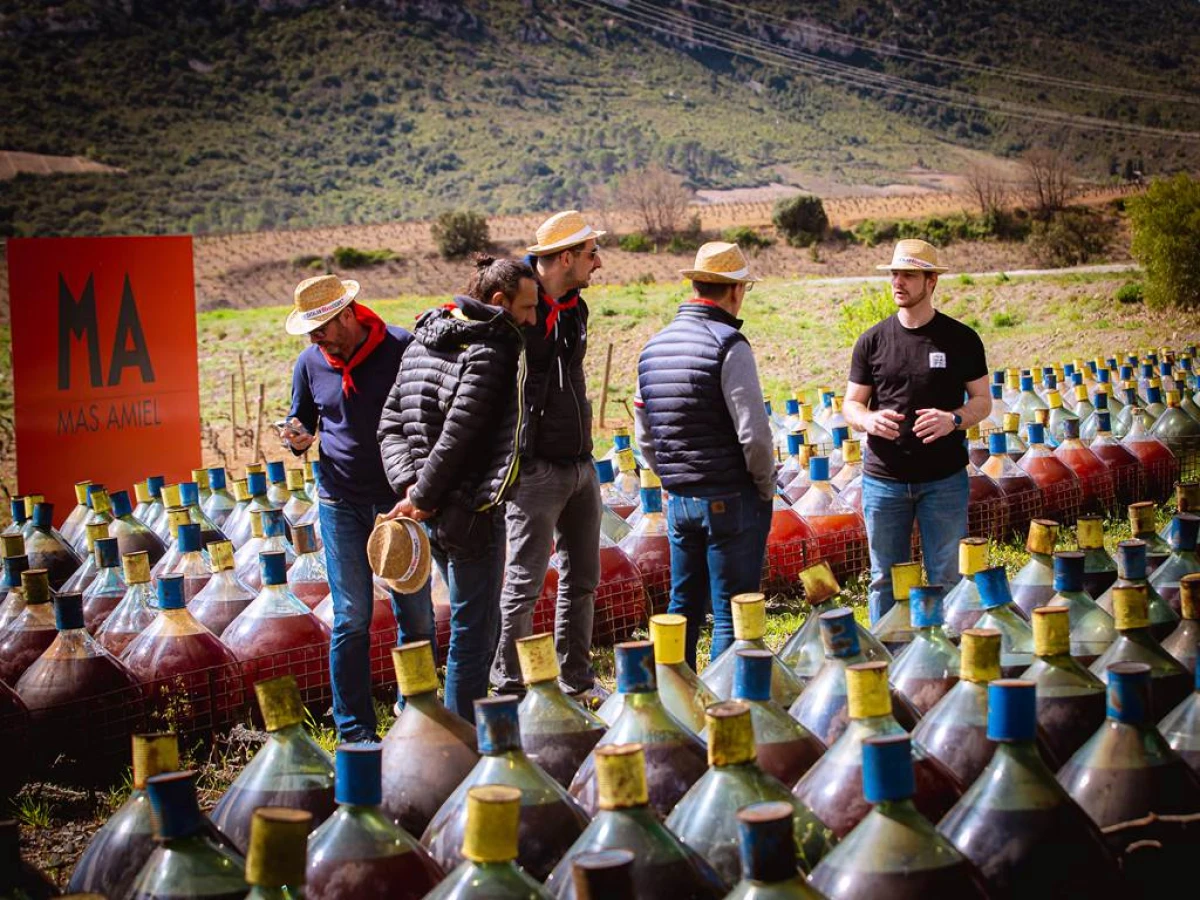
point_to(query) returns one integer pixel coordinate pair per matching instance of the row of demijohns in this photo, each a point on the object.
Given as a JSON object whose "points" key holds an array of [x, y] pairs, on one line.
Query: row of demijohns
{"points": [[957, 748]]}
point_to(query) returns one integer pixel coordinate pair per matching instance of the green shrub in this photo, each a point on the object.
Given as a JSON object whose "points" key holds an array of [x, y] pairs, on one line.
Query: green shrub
{"points": [[1004, 320], [1071, 237], [1130, 292], [873, 305], [306, 260], [353, 258], [965, 279], [801, 219], [1166, 240], [685, 242], [460, 233], [635, 243], [746, 237]]}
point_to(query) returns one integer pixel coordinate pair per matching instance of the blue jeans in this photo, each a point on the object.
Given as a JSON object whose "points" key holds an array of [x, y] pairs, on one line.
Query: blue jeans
{"points": [[717, 550], [889, 508], [474, 574], [344, 529]]}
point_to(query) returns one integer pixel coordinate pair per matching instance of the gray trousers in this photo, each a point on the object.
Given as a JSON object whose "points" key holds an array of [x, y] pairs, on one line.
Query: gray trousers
{"points": [[557, 503]]}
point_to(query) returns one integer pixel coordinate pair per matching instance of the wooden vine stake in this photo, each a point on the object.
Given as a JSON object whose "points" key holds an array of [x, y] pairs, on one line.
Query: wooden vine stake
{"points": [[233, 414], [258, 454], [604, 384]]}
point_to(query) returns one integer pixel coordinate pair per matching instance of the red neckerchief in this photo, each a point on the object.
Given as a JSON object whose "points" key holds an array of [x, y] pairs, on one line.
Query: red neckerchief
{"points": [[556, 307], [704, 302], [376, 332]]}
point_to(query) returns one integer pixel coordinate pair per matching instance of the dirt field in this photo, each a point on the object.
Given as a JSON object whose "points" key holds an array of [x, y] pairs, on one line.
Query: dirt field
{"points": [[13, 163]]}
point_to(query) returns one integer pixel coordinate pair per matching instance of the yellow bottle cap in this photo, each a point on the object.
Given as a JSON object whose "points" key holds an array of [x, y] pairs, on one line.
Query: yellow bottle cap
{"points": [[1051, 631], [101, 502], [308, 470], [493, 818], [1089, 532], [279, 702], [14, 544], [137, 567], [621, 776], [972, 555], [278, 847], [32, 500], [972, 432], [415, 671], [980, 655], [141, 491], [867, 690], [1173, 399], [819, 583], [649, 479], [625, 460], [154, 754], [176, 516], [806, 453], [96, 531], [295, 479], [256, 525], [200, 476], [255, 468], [81, 489], [36, 585], [1012, 423], [1042, 535], [668, 631], [241, 490], [621, 431], [221, 555], [538, 660], [1141, 517], [1131, 606], [805, 412], [749, 616], [171, 496], [1187, 496], [851, 451], [1042, 417], [1054, 400], [730, 733], [837, 403], [1080, 392], [905, 577], [1189, 595]]}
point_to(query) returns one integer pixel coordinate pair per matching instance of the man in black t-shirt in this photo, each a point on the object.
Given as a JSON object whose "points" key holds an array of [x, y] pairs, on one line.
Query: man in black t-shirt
{"points": [[918, 380]]}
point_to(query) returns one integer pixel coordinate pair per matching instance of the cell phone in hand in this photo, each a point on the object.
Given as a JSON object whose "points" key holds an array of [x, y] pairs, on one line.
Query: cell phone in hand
{"points": [[292, 427]]}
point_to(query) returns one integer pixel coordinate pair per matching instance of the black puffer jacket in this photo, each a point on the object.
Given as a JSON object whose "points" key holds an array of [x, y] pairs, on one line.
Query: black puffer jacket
{"points": [[449, 426]]}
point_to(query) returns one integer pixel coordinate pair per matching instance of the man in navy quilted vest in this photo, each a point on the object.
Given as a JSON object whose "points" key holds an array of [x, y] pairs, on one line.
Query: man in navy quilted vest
{"points": [[702, 426]]}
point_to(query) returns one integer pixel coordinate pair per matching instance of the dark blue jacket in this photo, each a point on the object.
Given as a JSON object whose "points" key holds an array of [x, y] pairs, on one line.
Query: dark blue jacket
{"points": [[696, 445]]}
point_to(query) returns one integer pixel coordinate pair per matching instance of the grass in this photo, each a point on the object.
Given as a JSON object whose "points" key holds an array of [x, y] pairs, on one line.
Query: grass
{"points": [[33, 811]]}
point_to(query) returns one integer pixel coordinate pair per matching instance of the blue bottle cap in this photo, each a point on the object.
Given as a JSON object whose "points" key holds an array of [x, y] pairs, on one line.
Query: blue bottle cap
{"points": [[1111, 362], [68, 612], [1012, 710], [997, 443], [997, 391], [998, 377], [1105, 377], [358, 774], [170, 592], [1050, 380], [43, 515], [993, 587], [1131, 397], [1076, 379], [187, 537], [273, 566], [604, 471], [818, 468], [17, 506], [651, 499], [1069, 369], [1037, 433], [792, 406], [1128, 696], [767, 407], [276, 472], [1101, 402], [154, 484], [121, 506], [316, 469], [1183, 533], [173, 805], [1091, 364], [839, 633], [1164, 368], [497, 728], [189, 493], [13, 567], [1026, 382], [1103, 421], [925, 606], [1068, 571], [621, 441], [840, 434], [1070, 428], [635, 667], [795, 440], [752, 675], [1147, 370], [1131, 560], [92, 489], [216, 478], [827, 398], [887, 768], [256, 483], [1153, 394], [273, 523], [108, 555], [767, 840]]}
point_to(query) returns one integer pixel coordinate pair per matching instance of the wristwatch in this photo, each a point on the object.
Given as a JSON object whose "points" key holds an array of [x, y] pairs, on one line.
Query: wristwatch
{"points": [[957, 420]]}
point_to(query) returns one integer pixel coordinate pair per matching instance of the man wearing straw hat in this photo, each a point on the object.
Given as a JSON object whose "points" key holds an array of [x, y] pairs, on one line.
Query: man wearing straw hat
{"points": [[339, 385], [556, 502], [702, 426], [918, 380]]}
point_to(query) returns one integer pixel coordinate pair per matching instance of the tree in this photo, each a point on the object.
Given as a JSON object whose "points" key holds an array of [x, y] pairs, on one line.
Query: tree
{"points": [[801, 219], [1166, 240], [988, 189], [1049, 180], [657, 197], [458, 234]]}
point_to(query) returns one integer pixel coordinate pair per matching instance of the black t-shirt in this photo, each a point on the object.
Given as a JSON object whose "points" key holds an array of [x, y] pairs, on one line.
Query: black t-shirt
{"points": [[910, 369]]}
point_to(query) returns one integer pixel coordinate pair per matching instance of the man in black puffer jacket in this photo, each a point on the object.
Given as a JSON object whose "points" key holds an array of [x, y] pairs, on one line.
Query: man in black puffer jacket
{"points": [[449, 439]]}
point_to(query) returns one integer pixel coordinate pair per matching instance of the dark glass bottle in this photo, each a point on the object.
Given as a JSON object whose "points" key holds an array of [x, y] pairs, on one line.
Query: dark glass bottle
{"points": [[359, 853], [768, 854], [1099, 568], [962, 605], [1033, 585], [275, 868], [48, 549], [20, 880], [1181, 727], [15, 728], [894, 852], [928, 668], [894, 628], [290, 769], [1182, 561], [749, 631], [1092, 629], [1133, 570], [1143, 517], [1023, 832], [27, 636], [14, 564], [1001, 614], [106, 591], [1182, 642], [132, 535]]}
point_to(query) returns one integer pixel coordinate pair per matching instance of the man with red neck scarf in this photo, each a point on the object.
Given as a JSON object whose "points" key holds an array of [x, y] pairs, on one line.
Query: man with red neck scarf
{"points": [[339, 385]]}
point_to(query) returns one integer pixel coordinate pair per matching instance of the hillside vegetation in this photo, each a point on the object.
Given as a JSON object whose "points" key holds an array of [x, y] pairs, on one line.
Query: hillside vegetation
{"points": [[235, 116]]}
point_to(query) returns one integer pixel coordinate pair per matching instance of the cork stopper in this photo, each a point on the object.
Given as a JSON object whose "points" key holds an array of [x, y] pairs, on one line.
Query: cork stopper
{"points": [[1042, 535], [96, 531], [1012, 423], [221, 555], [1051, 631], [819, 583], [1187, 496], [536, 655], [621, 776], [905, 577], [730, 733], [415, 671], [668, 632], [141, 492], [278, 847], [867, 690], [493, 815], [972, 555], [749, 616], [1131, 606], [36, 584], [137, 567], [980, 655], [154, 754], [1089, 531], [81, 492], [1141, 517], [171, 495], [851, 451], [279, 702], [1189, 595], [295, 479]]}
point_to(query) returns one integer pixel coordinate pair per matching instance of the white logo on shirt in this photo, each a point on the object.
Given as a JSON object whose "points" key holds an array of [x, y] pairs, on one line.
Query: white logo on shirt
{"points": [[937, 360]]}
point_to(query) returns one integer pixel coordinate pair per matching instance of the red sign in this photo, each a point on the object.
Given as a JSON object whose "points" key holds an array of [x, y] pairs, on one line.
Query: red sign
{"points": [[105, 375]]}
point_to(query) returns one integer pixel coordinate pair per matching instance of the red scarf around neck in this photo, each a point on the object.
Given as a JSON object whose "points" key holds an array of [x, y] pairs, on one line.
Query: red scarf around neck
{"points": [[376, 332], [556, 307]]}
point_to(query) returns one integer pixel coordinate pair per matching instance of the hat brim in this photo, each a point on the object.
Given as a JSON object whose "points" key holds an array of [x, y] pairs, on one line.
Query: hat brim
{"points": [[297, 324], [420, 570], [715, 277], [567, 244], [936, 270]]}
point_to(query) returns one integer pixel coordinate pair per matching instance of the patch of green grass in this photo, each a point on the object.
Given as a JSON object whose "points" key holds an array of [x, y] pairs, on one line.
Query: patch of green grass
{"points": [[1004, 320], [33, 811]]}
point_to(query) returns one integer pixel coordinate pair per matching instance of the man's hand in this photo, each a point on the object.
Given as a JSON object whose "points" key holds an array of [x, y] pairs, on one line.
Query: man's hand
{"points": [[407, 509], [883, 423], [294, 436], [932, 424]]}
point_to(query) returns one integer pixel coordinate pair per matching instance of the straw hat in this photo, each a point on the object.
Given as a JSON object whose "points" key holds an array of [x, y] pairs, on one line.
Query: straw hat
{"points": [[562, 231], [720, 263], [317, 300], [914, 256], [398, 552]]}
